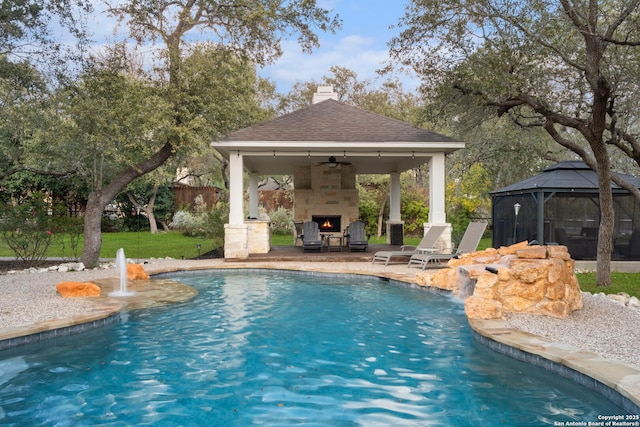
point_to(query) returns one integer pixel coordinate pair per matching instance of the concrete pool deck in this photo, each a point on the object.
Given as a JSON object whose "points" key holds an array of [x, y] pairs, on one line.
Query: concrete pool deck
{"points": [[618, 381]]}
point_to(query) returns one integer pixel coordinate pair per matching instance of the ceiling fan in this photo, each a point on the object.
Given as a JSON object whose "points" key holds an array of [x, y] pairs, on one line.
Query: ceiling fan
{"points": [[332, 162]]}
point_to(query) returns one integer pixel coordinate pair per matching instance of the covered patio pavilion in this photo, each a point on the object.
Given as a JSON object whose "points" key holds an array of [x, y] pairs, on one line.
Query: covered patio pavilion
{"points": [[324, 146]]}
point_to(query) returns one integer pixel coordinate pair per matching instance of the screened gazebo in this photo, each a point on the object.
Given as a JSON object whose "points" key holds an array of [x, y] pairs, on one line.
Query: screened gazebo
{"points": [[561, 205]]}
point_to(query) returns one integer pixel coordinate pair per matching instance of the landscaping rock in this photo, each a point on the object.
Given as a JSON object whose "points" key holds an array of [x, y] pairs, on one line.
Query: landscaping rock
{"points": [[515, 279], [78, 289], [136, 272]]}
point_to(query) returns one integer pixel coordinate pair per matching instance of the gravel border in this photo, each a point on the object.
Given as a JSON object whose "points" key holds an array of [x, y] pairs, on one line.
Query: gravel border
{"points": [[602, 326]]}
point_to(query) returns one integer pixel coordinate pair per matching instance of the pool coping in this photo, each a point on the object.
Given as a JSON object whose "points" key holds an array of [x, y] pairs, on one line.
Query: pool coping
{"points": [[617, 381]]}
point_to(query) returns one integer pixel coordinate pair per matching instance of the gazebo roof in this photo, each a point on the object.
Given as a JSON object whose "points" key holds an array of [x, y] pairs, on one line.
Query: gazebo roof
{"points": [[564, 176], [332, 128]]}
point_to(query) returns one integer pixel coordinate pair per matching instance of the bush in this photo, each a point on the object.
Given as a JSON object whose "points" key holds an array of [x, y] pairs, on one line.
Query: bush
{"points": [[27, 228], [368, 213], [281, 221], [72, 228], [213, 224], [208, 224], [187, 223], [415, 213]]}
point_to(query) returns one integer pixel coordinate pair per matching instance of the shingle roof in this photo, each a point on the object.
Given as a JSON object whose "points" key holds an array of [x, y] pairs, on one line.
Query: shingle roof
{"points": [[567, 176], [332, 120]]}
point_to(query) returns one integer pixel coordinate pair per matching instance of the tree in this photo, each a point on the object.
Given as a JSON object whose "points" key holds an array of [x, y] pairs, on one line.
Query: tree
{"points": [[30, 30], [31, 56], [253, 29], [567, 67], [467, 198]]}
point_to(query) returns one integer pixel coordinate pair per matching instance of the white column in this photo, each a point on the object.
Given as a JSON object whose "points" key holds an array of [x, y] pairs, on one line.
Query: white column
{"points": [[253, 196], [437, 177], [394, 198], [236, 189]]}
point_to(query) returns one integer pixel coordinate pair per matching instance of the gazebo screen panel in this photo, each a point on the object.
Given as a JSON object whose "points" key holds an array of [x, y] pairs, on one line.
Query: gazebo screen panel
{"points": [[505, 229], [571, 219], [574, 219]]}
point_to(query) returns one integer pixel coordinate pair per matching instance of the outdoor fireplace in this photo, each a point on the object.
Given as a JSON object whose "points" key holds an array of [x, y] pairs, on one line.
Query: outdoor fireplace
{"points": [[328, 223]]}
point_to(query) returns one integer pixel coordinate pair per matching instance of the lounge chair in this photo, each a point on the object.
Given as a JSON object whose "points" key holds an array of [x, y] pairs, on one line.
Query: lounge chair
{"points": [[357, 237], [469, 243], [427, 244], [311, 240]]}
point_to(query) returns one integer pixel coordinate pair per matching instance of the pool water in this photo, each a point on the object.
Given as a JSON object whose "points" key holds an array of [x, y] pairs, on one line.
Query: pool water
{"points": [[279, 349]]}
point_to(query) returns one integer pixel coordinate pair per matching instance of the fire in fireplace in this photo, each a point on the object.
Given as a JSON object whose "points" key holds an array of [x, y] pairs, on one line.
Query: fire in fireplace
{"points": [[327, 223]]}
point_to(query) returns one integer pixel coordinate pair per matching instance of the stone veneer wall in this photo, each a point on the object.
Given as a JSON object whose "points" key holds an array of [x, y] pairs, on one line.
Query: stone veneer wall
{"points": [[518, 278], [322, 190], [252, 237]]}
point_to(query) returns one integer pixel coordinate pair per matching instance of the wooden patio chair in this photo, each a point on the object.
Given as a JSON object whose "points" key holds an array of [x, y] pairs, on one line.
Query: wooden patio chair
{"points": [[311, 239], [357, 237]]}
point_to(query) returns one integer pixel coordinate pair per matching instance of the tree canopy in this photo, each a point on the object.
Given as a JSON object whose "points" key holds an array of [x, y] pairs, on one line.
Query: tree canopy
{"points": [[251, 29], [570, 68]]}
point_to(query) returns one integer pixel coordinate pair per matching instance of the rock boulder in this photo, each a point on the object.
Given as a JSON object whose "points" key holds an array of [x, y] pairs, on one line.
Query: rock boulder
{"points": [[78, 289], [518, 278], [136, 272]]}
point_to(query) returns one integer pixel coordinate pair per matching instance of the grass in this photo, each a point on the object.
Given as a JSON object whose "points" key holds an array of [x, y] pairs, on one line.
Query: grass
{"points": [[620, 282], [287, 240], [135, 244], [175, 245]]}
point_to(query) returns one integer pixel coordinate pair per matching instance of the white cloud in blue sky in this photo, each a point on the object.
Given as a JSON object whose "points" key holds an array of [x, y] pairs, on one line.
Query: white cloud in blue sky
{"points": [[361, 44]]}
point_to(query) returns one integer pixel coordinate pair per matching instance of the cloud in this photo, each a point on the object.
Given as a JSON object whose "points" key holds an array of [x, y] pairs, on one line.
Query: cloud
{"points": [[355, 52]]}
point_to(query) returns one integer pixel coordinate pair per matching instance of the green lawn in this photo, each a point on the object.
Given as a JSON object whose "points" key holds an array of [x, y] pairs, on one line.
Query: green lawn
{"points": [[620, 282], [135, 244]]}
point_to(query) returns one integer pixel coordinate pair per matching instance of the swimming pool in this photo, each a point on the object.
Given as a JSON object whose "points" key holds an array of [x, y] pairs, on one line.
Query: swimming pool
{"points": [[283, 348]]}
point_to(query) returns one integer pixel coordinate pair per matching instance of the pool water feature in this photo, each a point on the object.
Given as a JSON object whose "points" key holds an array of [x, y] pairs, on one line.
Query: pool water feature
{"points": [[121, 264], [279, 348]]}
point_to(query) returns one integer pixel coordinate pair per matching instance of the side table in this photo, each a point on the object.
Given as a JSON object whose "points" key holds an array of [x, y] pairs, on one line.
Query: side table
{"points": [[340, 240]]}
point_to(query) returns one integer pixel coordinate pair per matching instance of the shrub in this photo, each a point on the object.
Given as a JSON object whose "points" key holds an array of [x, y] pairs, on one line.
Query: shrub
{"points": [[213, 224], [69, 227], [281, 221], [208, 224], [187, 223], [27, 228], [415, 212]]}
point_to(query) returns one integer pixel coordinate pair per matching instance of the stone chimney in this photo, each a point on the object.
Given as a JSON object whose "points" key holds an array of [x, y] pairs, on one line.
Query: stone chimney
{"points": [[323, 93]]}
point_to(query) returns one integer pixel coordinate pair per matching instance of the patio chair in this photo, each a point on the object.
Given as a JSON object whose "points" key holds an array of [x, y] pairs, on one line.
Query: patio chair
{"points": [[311, 239], [427, 244], [469, 243], [299, 232], [357, 238]]}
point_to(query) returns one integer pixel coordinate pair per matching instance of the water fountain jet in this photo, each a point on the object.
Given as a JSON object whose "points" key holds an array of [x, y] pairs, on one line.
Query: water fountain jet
{"points": [[121, 263]]}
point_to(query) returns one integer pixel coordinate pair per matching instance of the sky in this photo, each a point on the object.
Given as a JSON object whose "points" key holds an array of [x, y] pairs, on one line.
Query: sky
{"points": [[361, 44]]}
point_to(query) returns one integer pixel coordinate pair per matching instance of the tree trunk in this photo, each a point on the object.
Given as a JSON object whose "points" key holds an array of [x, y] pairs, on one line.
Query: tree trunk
{"points": [[98, 199], [381, 215], [92, 230], [153, 225], [607, 222]]}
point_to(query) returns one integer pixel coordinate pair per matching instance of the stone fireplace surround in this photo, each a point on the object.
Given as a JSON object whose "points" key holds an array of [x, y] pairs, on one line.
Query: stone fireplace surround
{"points": [[321, 190]]}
